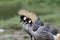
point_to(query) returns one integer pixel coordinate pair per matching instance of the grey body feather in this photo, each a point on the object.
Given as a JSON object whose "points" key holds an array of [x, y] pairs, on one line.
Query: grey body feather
{"points": [[51, 29], [38, 23], [40, 34]]}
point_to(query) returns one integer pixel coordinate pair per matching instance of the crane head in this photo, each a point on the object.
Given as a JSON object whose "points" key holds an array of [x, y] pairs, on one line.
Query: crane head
{"points": [[23, 18], [29, 21]]}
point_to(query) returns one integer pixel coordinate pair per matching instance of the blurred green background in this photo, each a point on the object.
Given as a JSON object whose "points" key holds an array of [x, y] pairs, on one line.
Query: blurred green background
{"points": [[47, 10]]}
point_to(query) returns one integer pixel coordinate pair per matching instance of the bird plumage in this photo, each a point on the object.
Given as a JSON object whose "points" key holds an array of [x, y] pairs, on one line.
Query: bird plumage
{"points": [[28, 14], [26, 29], [46, 30], [52, 29], [40, 34], [38, 23]]}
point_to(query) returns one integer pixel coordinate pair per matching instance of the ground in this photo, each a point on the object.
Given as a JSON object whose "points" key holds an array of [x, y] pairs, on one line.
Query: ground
{"points": [[14, 35], [11, 34]]}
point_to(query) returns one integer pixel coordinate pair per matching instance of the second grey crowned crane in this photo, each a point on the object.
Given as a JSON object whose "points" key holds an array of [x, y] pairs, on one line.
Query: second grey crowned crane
{"points": [[40, 34]]}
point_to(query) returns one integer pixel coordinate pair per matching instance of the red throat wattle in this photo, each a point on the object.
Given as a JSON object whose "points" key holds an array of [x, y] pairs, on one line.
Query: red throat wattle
{"points": [[30, 25]]}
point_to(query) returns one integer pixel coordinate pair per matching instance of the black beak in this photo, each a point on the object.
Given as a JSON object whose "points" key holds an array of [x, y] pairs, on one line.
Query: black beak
{"points": [[26, 23]]}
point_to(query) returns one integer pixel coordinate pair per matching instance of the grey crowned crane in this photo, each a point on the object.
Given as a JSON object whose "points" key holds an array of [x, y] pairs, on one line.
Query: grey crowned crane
{"points": [[37, 23]]}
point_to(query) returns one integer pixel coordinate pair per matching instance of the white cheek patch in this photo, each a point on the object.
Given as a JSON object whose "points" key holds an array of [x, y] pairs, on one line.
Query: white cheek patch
{"points": [[24, 18], [29, 21]]}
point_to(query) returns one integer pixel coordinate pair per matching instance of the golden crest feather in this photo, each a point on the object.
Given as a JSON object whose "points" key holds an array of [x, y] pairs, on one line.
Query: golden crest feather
{"points": [[58, 37], [28, 14]]}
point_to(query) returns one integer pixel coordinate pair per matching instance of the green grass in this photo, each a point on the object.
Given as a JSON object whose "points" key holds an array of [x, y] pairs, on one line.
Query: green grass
{"points": [[42, 7], [47, 10], [51, 18], [8, 9], [12, 22], [54, 19]]}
